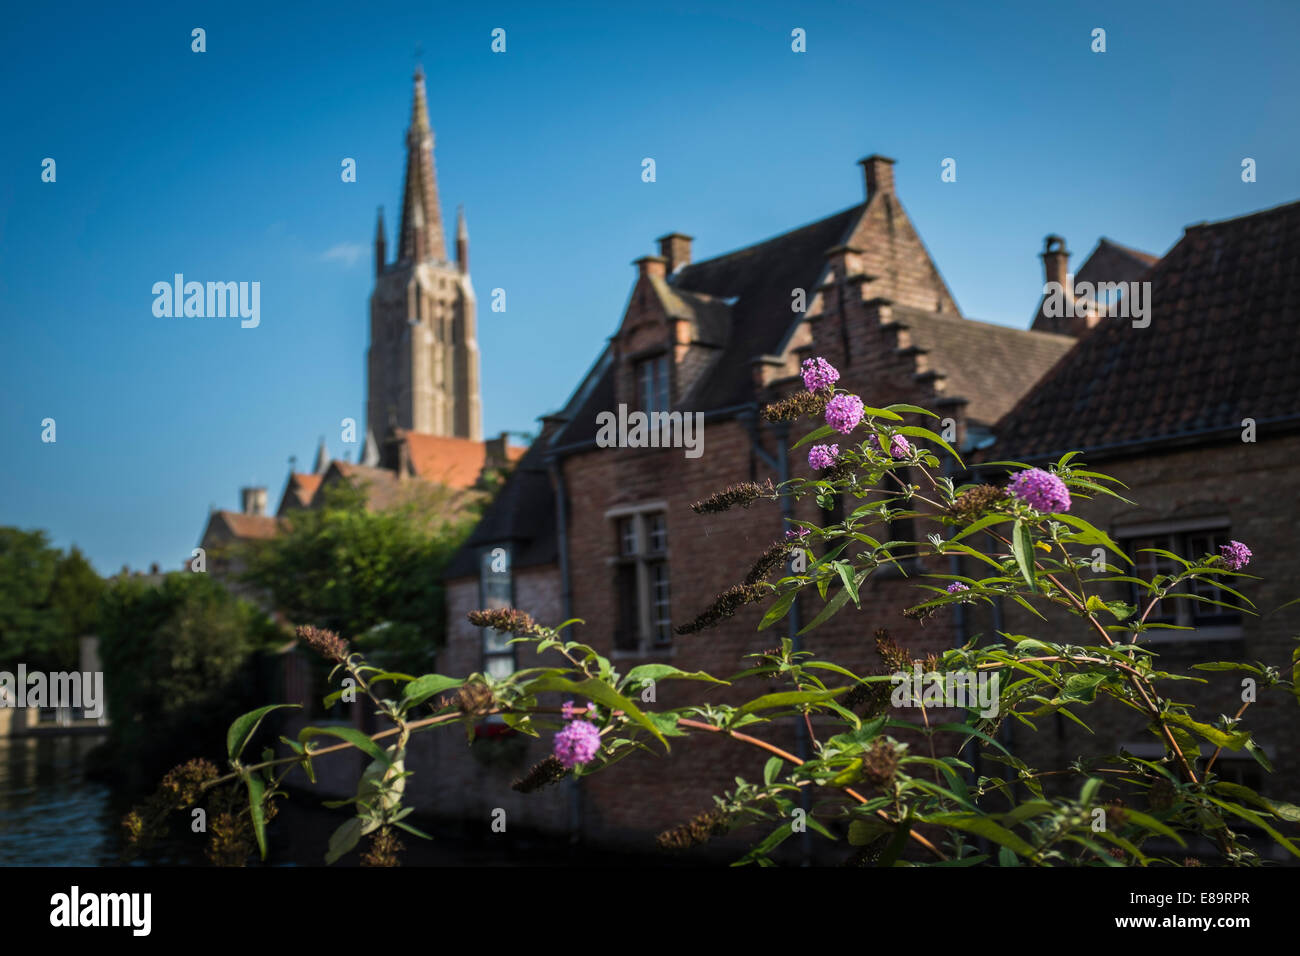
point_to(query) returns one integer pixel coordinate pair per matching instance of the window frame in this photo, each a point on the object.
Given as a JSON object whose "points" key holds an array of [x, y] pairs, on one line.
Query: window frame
{"points": [[646, 527], [505, 650], [1211, 622]]}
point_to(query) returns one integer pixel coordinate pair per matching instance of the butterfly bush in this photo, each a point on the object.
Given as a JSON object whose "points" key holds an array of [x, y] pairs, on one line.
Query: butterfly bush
{"points": [[1055, 619]]}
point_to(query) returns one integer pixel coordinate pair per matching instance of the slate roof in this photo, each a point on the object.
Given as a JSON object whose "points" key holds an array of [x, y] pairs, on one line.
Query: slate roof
{"points": [[991, 366], [754, 319], [1222, 346]]}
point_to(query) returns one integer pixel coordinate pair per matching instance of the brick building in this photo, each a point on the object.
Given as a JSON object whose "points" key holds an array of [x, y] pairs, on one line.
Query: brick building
{"points": [[606, 534], [1198, 412]]}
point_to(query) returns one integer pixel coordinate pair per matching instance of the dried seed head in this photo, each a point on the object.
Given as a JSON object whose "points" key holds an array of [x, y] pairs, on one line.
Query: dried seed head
{"points": [[973, 502], [770, 559], [797, 406], [725, 605], [505, 619], [743, 494], [541, 775], [1161, 795], [701, 828], [880, 763], [326, 643]]}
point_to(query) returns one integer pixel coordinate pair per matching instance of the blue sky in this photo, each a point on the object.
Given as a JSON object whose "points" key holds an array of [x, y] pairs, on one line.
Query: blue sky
{"points": [[225, 166]]}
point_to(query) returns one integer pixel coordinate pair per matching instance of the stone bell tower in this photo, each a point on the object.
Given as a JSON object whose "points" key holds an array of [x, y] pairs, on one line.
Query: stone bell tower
{"points": [[423, 364]]}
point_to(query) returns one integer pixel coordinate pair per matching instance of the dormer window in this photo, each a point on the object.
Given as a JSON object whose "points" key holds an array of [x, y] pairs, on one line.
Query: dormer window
{"points": [[652, 384]]}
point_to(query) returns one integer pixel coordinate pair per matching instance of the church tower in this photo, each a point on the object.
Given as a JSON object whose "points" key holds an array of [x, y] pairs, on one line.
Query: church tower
{"points": [[423, 363]]}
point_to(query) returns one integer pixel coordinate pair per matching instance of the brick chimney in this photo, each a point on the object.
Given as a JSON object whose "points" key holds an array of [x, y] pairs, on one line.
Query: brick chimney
{"points": [[254, 500], [879, 172], [675, 248], [495, 451], [651, 266], [1056, 265]]}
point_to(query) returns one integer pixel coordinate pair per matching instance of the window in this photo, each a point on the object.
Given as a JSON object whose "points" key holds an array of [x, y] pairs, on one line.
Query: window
{"points": [[652, 384], [496, 585], [1190, 543], [641, 583]]}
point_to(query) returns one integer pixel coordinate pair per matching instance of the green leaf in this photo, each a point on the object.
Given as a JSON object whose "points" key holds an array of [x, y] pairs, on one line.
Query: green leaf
{"points": [[1252, 817], [780, 607], [867, 830], [410, 829], [985, 827], [916, 431], [912, 409], [981, 524], [601, 693], [344, 839], [353, 736], [832, 607], [1088, 534], [422, 688], [813, 436], [243, 728], [1022, 544], [771, 769], [658, 672], [788, 698], [1220, 738], [256, 787]]}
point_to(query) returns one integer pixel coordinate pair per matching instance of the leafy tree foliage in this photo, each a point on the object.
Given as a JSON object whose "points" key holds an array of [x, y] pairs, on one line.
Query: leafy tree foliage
{"points": [[48, 599]]}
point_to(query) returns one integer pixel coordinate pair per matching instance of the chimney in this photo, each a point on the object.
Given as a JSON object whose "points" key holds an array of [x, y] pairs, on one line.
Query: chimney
{"points": [[494, 451], [879, 172], [651, 266], [254, 500], [676, 249], [1056, 265]]}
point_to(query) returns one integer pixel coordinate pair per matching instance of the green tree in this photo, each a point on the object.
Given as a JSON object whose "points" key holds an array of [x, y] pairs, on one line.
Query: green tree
{"points": [[375, 576], [180, 658], [48, 600]]}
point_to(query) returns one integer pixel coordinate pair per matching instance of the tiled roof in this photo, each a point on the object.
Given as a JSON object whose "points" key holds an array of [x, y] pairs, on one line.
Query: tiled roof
{"points": [[299, 491], [246, 526], [455, 462], [991, 366], [1221, 347]]}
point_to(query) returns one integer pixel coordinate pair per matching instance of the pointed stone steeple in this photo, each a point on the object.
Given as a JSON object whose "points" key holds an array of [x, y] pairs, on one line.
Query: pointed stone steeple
{"points": [[370, 454], [322, 458], [421, 235], [462, 241]]}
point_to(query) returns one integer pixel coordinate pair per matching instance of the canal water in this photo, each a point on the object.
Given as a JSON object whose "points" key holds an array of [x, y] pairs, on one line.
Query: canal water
{"points": [[53, 814]]}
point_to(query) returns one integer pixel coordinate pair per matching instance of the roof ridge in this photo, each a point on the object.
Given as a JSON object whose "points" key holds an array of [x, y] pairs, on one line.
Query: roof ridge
{"points": [[771, 239]]}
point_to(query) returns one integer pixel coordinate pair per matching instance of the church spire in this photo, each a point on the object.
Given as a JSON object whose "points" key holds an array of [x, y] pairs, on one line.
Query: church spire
{"points": [[381, 248], [322, 458], [421, 236], [462, 241]]}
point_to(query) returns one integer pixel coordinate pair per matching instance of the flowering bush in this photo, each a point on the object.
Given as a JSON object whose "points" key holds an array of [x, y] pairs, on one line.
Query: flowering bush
{"points": [[893, 801]]}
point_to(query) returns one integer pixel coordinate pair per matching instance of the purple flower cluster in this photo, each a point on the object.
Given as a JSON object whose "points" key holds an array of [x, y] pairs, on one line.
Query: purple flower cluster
{"points": [[797, 532], [1235, 554], [1041, 489], [577, 742], [823, 456], [844, 412], [818, 374], [957, 587], [899, 447]]}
